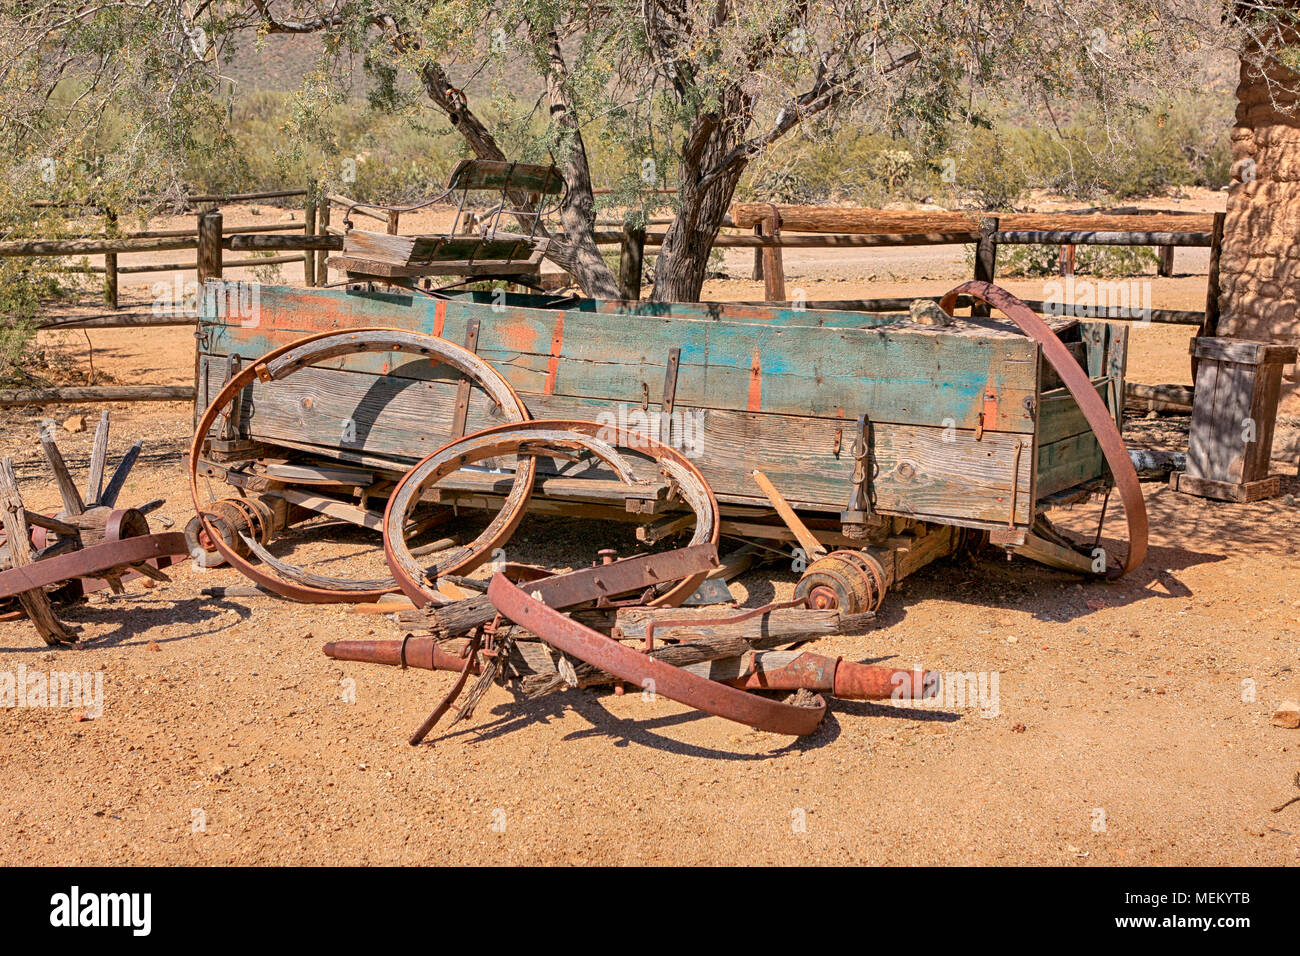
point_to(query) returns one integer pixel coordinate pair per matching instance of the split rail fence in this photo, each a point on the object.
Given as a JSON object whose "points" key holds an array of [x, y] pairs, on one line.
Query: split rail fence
{"points": [[774, 228]]}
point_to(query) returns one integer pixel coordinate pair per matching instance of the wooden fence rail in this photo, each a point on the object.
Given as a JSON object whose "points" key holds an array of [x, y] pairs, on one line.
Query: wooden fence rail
{"points": [[1162, 229], [188, 199], [112, 243], [10, 397], [883, 229]]}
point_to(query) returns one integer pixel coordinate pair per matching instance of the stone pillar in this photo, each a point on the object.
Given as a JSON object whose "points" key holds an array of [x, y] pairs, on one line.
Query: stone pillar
{"points": [[1259, 268]]}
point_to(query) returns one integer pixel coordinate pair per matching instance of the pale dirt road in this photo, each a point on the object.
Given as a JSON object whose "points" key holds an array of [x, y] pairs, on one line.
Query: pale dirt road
{"points": [[1125, 729]]}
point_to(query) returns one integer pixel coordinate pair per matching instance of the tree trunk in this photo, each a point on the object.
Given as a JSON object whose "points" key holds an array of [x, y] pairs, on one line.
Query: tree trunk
{"points": [[704, 193], [579, 255]]}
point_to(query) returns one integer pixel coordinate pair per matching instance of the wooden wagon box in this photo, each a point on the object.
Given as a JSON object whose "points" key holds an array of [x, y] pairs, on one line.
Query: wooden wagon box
{"points": [[967, 425]]}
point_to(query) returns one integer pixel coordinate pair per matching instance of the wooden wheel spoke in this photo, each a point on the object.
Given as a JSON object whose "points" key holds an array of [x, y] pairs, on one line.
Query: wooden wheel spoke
{"points": [[98, 458]]}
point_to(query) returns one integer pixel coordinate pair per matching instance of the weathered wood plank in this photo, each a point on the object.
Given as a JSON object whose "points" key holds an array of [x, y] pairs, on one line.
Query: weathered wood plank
{"points": [[72, 502], [857, 220], [909, 375], [920, 471], [98, 458], [13, 518], [1059, 415], [1069, 462]]}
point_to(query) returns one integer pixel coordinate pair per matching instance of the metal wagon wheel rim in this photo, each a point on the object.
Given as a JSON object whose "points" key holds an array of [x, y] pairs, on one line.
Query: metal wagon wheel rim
{"points": [[284, 361], [511, 437]]}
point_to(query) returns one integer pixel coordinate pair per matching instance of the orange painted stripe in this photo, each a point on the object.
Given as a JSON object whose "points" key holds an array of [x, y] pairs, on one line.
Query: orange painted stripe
{"points": [[553, 363], [755, 384], [439, 317]]}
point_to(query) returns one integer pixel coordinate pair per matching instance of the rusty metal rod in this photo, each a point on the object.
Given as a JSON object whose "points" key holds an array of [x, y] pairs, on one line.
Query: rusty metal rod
{"points": [[422, 652], [771, 670], [775, 670]]}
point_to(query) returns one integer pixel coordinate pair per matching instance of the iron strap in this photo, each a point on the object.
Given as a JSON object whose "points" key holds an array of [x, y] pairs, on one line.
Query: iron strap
{"points": [[1096, 413]]}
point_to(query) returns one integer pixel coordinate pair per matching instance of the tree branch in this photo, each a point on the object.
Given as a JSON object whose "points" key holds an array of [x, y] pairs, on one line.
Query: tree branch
{"points": [[823, 94]]}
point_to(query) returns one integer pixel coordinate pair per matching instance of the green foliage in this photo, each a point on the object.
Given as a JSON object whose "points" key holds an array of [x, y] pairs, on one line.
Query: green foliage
{"points": [[25, 285], [120, 99], [1101, 261], [1177, 143], [990, 166], [990, 170]]}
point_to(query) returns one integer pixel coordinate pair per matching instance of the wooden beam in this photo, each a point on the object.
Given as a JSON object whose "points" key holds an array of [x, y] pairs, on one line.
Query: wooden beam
{"points": [[864, 220], [14, 518], [117, 320], [1080, 238], [100, 393], [812, 547]]}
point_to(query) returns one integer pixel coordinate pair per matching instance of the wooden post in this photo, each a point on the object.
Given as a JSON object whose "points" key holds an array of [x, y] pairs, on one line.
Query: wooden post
{"points": [[392, 222], [110, 261], [309, 229], [209, 257], [209, 268], [1234, 407], [1065, 260], [630, 262], [322, 268], [1165, 264], [773, 265], [758, 255], [986, 260], [1210, 326]]}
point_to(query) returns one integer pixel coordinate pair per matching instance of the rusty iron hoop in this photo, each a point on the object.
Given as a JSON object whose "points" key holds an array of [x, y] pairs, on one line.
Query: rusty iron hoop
{"points": [[1094, 410], [451, 458], [296, 355], [517, 437], [647, 672]]}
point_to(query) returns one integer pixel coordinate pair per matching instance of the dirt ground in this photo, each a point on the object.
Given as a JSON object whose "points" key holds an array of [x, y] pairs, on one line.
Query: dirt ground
{"points": [[1130, 724]]}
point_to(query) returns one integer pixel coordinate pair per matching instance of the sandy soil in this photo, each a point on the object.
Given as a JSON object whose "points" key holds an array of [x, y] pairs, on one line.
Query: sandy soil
{"points": [[1131, 723]]}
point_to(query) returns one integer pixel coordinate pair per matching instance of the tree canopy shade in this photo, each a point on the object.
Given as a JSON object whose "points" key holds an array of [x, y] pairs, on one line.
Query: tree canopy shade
{"points": [[689, 93]]}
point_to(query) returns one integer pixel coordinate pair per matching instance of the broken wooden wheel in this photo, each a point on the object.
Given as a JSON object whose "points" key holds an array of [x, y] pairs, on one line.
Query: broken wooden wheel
{"points": [[89, 545]]}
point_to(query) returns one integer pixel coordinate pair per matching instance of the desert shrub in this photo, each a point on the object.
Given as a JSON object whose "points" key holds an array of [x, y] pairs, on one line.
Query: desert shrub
{"points": [[845, 165], [26, 285], [1105, 261], [1177, 143], [366, 153], [1181, 142], [1022, 261], [990, 170]]}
